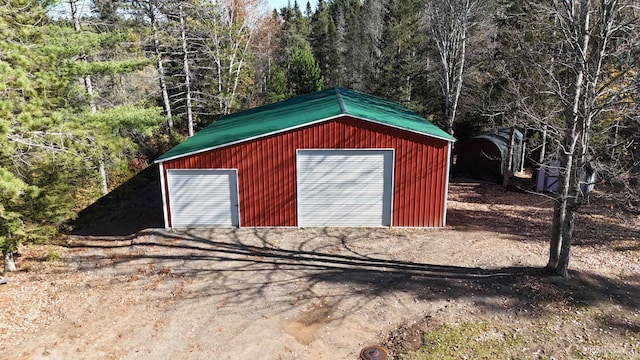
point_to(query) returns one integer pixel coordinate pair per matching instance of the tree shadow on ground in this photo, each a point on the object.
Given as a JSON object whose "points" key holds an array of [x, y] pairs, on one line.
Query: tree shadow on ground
{"points": [[336, 266], [131, 207], [330, 256], [483, 206]]}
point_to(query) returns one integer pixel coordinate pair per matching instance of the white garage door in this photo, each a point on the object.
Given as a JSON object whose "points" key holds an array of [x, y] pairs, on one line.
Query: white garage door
{"points": [[203, 198], [344, 187]]}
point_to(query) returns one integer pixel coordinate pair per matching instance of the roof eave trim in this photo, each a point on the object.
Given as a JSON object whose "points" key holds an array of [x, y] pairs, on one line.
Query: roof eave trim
{"points": [[402, 128], [250, 138], [297, 127]]}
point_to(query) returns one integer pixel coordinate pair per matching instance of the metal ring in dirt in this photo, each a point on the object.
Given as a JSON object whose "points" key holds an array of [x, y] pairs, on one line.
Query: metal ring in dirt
{"points": [[373, 353]]}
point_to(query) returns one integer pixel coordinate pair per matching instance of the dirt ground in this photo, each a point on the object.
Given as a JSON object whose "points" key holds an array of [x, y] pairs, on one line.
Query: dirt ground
{"points": [[327, 293]]}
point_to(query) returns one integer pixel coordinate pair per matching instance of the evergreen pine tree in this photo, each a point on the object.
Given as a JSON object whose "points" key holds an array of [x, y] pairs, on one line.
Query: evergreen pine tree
{"points": [[401, 50], [293, 35], [277, 87], [323, 39], [304, 74]]}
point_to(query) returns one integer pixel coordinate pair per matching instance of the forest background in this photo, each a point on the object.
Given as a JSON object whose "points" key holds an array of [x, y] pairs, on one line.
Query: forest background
{"points": [[90, 96]]}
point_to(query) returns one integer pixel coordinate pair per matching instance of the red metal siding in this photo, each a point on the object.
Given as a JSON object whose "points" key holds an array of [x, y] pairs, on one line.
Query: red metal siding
{"points": [[267, 170]]}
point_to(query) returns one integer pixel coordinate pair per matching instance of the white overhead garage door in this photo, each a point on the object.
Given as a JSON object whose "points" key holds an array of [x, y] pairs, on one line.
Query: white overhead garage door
{"points": [[344, 187], [203, 198]]}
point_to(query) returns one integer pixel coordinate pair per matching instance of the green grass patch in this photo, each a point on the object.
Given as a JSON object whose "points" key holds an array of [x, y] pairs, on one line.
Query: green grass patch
{"points": [[565, 332], [466, 341]]}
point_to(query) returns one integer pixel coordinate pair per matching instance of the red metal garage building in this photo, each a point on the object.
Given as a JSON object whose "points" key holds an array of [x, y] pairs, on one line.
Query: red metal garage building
{"points": [[331, 158]]}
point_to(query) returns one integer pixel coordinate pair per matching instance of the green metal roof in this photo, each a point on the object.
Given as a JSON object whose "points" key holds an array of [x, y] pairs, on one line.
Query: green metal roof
{"points": [[301, 111]]}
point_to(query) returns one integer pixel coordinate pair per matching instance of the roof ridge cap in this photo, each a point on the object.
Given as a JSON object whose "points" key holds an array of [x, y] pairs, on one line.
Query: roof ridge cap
{"points": [[343, 107]]}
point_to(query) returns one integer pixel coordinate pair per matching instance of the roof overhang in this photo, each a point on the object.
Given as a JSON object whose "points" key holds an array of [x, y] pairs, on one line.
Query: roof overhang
{"points": [[311, 123]]}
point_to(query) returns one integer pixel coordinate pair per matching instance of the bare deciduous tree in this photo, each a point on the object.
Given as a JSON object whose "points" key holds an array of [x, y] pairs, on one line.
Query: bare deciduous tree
{"points": [[186, 70], [227, 41], [450, 22], [586, 31]]}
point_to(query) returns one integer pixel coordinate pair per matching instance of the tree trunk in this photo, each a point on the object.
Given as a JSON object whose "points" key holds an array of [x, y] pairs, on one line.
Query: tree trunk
{"points": [[448, 115], [89, 88], [565, 206], [187, 74], [87, 78], [450, 25], [103, 177], [506, 174], [635, 169], [613, 139], [160, 68], [566, 201], [238, 72], [560, 211], [523, 150], [543, 147], [461, 61], [567, 235], [165, 93], [9, 263], [559, 214]]}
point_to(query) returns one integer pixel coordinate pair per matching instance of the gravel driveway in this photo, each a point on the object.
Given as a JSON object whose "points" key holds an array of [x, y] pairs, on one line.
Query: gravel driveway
{"points": [[264, 293], [320, 293]]}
